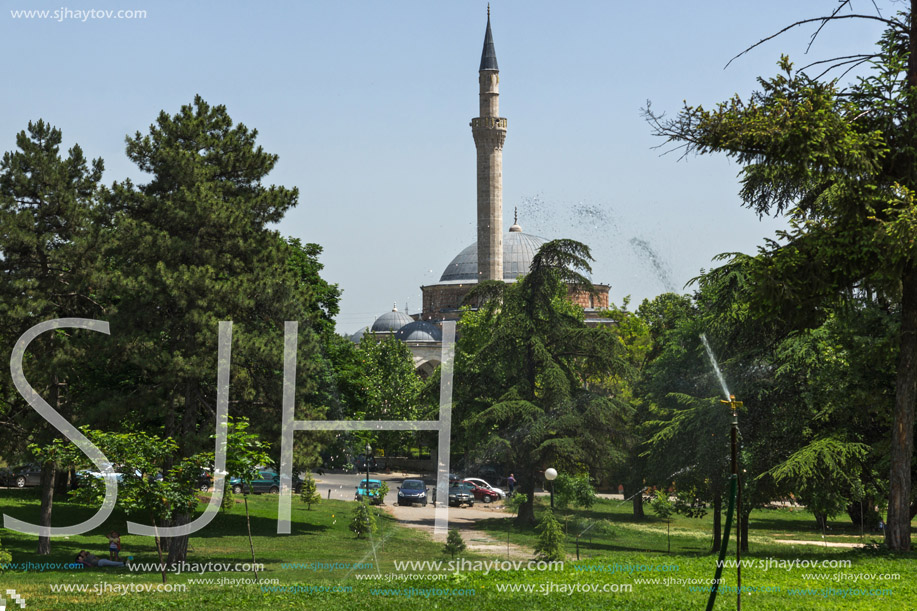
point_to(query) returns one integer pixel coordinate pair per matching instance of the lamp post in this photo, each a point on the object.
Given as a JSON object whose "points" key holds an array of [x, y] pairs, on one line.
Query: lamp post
{"points": [[549, 475], [367, 457]]}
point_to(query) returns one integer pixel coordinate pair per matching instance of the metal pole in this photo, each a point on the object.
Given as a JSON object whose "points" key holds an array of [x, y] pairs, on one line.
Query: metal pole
{"points": [[735, 405]]}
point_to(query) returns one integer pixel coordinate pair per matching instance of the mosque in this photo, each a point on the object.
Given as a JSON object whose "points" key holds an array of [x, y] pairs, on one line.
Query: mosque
{"points": [[494, 256]]}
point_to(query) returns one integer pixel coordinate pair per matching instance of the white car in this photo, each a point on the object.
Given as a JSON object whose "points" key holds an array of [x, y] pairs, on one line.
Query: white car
{"points": [[482, 484]]}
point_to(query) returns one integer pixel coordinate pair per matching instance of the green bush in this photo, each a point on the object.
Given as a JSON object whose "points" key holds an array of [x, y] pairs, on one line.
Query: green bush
{"points": [[550, 544], [573, 489], [454, 543], [364, 519], [309, 493]]}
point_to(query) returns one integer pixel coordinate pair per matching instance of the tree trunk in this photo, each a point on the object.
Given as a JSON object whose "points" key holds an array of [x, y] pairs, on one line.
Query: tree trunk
{"points": [[898, 528], [178, 546], [743, 532], [717, 522], [526, 485], [821, 521], [638, 505], [48, 471]]}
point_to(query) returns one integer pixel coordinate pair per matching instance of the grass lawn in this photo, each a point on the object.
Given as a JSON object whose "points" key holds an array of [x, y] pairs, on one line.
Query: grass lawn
{"points": [[620, 558]]}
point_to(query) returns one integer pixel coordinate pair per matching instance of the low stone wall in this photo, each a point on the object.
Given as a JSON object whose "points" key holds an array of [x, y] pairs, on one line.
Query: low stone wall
{"points": [[411, 465]]}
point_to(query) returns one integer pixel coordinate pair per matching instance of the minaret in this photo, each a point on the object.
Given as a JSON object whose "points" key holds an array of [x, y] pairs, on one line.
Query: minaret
{"points": [[489, 130]]}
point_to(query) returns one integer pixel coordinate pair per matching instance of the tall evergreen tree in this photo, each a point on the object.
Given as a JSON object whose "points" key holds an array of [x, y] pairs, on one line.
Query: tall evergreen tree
{"points": [[48, 246], [190, 248], [525, 360], [841, 165]]}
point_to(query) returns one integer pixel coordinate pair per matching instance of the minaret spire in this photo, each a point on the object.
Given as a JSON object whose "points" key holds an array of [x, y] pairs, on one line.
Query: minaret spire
{"points": [[488, 54], [489, 131]]}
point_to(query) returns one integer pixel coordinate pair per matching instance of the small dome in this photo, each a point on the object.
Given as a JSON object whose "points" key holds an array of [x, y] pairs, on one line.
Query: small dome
{"points": [[391, 321], [518, 251], [419, 331], [356, 337]]}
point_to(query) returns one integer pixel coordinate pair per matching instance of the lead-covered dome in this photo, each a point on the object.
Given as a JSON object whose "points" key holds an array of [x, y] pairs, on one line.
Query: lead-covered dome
{"points": [[391, 321], [419, 331], [518, 251]]}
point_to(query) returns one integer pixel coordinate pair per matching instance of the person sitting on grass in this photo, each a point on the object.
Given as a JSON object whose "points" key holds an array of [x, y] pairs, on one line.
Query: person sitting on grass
{"points": [[90, 560]]}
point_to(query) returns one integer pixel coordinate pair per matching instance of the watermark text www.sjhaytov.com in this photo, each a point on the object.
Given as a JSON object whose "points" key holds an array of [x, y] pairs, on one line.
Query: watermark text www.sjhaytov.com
{"points": [[82, 15]]}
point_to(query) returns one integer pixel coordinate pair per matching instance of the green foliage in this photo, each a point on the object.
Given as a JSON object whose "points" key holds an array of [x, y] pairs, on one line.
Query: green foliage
{"points": [[524, 362], [514, 502], [383, 490], [841, 166], [550, 544], [140, 458], [194, 246], [454, 543], [245, 452], [4, 558], [229, 500], [309, 493], [662, 506], [363, 521], [49, 248], [573, 489]]}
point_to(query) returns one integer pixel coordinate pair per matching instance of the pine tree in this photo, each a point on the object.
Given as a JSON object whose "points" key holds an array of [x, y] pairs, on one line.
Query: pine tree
{"points": [[48, 250], [364, 520], [550, 544], [309, 493], [454, 543], [192, 247]]}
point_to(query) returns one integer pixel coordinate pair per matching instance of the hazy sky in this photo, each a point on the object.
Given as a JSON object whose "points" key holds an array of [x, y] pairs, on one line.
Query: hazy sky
{"points": [[368, 104]]}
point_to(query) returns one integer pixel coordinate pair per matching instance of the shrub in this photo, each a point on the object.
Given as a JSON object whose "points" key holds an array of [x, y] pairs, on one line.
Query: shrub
{"points": [[550, 546], [309, 493], [454, 543], [364, 519]]}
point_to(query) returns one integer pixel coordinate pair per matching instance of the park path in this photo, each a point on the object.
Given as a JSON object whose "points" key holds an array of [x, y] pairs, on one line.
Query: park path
{"points": [[464, 519], [822, 543]]}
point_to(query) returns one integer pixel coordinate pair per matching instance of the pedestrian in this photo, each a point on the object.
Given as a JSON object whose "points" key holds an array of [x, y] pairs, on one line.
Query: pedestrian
{"points": [[511, 482]]}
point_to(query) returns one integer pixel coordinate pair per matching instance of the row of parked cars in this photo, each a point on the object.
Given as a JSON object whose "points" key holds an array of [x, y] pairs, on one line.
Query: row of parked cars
{"points": [[267, 480], [461, 491]]}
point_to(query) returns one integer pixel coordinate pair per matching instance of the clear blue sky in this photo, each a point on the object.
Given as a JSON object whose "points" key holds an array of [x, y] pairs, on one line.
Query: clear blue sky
{"points": [[368, 103]]}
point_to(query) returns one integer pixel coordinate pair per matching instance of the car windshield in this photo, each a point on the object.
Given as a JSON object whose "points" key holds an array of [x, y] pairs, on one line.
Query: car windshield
{"points": [[412, 484], [372, 485], [460, 488]]}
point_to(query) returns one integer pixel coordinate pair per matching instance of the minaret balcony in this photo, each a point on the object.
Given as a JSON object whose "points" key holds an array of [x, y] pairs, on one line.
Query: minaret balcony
{"points": [[488, 123]]}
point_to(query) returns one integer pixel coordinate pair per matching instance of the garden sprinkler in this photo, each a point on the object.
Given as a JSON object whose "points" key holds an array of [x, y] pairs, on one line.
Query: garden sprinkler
{"points": [[734, 500]]}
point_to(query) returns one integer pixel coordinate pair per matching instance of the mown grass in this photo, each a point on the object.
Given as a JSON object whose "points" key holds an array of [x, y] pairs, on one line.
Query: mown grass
{"points": [[322, 535]]}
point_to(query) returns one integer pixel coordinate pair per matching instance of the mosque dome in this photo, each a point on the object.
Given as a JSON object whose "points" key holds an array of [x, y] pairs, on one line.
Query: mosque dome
{"points": [[356, 337], [391, 321], [518, 251], [419, 331]]}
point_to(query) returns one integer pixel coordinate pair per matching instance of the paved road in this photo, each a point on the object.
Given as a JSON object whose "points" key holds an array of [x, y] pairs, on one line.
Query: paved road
{"points": [[343, 486]]}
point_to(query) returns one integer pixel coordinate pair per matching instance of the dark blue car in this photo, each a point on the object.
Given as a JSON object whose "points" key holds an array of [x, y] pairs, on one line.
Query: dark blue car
{"points": [[412, 491]]}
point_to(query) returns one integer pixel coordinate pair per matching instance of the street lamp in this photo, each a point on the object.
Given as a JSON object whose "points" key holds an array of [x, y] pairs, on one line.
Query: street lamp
{"points": [[367, 457], [549, 475]]}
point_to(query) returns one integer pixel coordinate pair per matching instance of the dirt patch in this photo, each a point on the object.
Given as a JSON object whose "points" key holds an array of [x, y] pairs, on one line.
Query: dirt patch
{"points": [[464, 519]]}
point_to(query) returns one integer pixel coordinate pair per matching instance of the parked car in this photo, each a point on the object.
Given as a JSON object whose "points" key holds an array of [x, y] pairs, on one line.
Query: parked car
{"points": [[267, 480], [482, 484], [460, 494], [22, 476], [481, 493], [204, 480], [369, 488], [412, 491]]}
